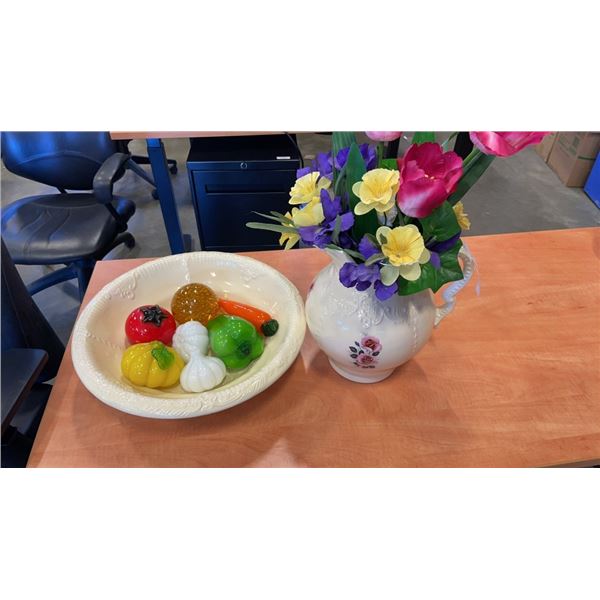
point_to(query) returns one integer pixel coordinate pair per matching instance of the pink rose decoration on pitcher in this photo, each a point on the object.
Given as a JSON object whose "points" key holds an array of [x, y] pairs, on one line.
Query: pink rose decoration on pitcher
{"points": [[383, 136], [428, 175], [366, 361], [505, 143], [371, 343], [364, 353]]}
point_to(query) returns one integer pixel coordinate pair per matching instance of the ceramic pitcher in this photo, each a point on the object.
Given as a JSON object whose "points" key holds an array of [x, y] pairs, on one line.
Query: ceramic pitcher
{"points": [[364, 338]]}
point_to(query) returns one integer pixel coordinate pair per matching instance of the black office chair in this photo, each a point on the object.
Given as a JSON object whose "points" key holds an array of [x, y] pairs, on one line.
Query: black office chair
{"points": [[74, 229], [137, 159], [31, 355]]}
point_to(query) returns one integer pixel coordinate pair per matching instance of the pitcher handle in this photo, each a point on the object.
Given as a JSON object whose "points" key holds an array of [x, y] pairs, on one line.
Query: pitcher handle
{"points": [[449, 294]]}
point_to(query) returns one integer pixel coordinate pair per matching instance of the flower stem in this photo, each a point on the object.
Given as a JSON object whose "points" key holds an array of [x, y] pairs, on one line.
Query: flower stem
{"points": [[380, 151], [470, 159]]}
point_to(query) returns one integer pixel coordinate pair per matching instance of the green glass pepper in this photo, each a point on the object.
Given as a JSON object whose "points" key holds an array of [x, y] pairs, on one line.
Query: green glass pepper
{"points": [[235, 341]]}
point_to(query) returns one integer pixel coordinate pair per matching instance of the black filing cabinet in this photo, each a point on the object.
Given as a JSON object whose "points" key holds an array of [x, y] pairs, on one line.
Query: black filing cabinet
{"points": [[230, 177]]}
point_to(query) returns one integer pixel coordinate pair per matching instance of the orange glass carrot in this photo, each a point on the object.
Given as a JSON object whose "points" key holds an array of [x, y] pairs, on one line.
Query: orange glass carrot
{"points": [[263, 321]]}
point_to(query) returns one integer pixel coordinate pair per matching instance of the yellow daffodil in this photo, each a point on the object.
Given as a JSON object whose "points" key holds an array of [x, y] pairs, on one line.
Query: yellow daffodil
{"points": [[289, 239], [308, 188], [461, 216], [311, 214], [377, 190], [405, 250]]}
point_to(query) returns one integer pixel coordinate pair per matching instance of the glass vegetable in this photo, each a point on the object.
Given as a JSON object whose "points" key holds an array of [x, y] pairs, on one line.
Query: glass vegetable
{"points": [[189, 338], [235, 341], [153, 365], [259, 318], [201, 372], [150, 323], [195, 302]]}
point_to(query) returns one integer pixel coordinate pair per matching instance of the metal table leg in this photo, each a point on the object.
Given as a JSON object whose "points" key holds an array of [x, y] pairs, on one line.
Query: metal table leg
{"points": [[164, 189]]}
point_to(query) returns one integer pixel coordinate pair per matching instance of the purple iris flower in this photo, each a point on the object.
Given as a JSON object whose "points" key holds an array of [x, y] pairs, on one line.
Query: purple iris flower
{"points": [[359, 276], [383, 292], [320, 235], [367, 248], [323, 163], [369, 154], [437, 248], [363, 276]]}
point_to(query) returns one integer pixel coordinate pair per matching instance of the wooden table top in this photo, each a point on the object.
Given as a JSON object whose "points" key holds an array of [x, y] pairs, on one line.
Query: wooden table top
{"points": [[510, 379]]}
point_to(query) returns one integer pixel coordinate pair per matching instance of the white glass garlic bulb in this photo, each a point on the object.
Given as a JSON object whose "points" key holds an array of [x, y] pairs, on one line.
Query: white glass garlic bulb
{"points": [[202, 373], [189, 338]]}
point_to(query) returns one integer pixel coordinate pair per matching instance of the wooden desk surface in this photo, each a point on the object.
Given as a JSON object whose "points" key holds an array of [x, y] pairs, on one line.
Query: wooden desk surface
{"points": [[144, 135], [510, 379]]}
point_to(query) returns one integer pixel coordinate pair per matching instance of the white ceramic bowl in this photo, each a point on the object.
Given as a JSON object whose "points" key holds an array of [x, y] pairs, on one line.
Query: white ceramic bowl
{"points": [[99, 334]]}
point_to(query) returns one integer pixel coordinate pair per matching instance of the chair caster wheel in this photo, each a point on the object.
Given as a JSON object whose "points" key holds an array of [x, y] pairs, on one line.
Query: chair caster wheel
{"points": [[173, 170], [155, 194], [130, 242]]}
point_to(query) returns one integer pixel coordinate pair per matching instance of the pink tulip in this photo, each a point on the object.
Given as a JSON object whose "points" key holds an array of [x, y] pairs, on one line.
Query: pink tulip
{"points": [[505, 143], [383, 136], [427, 177]]}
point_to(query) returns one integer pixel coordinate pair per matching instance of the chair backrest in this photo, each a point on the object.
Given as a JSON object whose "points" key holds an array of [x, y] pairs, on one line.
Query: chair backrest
{"points": [[62, 159], [23, 324]]}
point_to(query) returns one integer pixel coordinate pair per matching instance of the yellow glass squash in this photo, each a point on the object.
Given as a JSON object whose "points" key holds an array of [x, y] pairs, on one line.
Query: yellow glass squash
{"points": [[153, 365]]}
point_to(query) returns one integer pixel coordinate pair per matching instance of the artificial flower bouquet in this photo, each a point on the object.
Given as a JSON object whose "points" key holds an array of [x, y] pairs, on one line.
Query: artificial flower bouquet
{"points": [[399, 220]]}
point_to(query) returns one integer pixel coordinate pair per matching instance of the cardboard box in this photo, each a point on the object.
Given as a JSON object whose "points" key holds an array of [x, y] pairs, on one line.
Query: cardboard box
{"points": [[573, 156], [545, 146]]}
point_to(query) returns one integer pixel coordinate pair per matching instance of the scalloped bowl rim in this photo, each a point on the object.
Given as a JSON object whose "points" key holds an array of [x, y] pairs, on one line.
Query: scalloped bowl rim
{"points": [[132, 401]]}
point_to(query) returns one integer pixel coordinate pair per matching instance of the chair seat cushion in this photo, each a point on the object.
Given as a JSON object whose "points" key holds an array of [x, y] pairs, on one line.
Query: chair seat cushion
{"points": [[60, 228]]}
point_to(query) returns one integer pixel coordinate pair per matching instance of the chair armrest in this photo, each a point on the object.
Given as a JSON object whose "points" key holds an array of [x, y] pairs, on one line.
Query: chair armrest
{"points": [[105, 177], [20, 369]]}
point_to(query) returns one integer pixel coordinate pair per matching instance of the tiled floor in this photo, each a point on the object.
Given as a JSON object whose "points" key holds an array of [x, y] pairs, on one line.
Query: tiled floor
{"points": [[516, 194]]}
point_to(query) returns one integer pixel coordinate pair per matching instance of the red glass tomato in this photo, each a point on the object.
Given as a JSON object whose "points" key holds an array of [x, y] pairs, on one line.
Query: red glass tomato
{"points": [[150, 323]]}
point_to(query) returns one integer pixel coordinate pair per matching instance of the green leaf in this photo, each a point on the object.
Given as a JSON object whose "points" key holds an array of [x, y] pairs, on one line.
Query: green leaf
{"points": [[281, 216], [475, 170], [269, 227], [374, 258], [420, 137], [335, 234], [350, 253], [389, 163], [432, 278], [355, 169], [163, 357], [470, 159], [341, 139], [447, 141], [340, 178], [440, 224], [280, 219], [353, 253], [379, 150]]}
